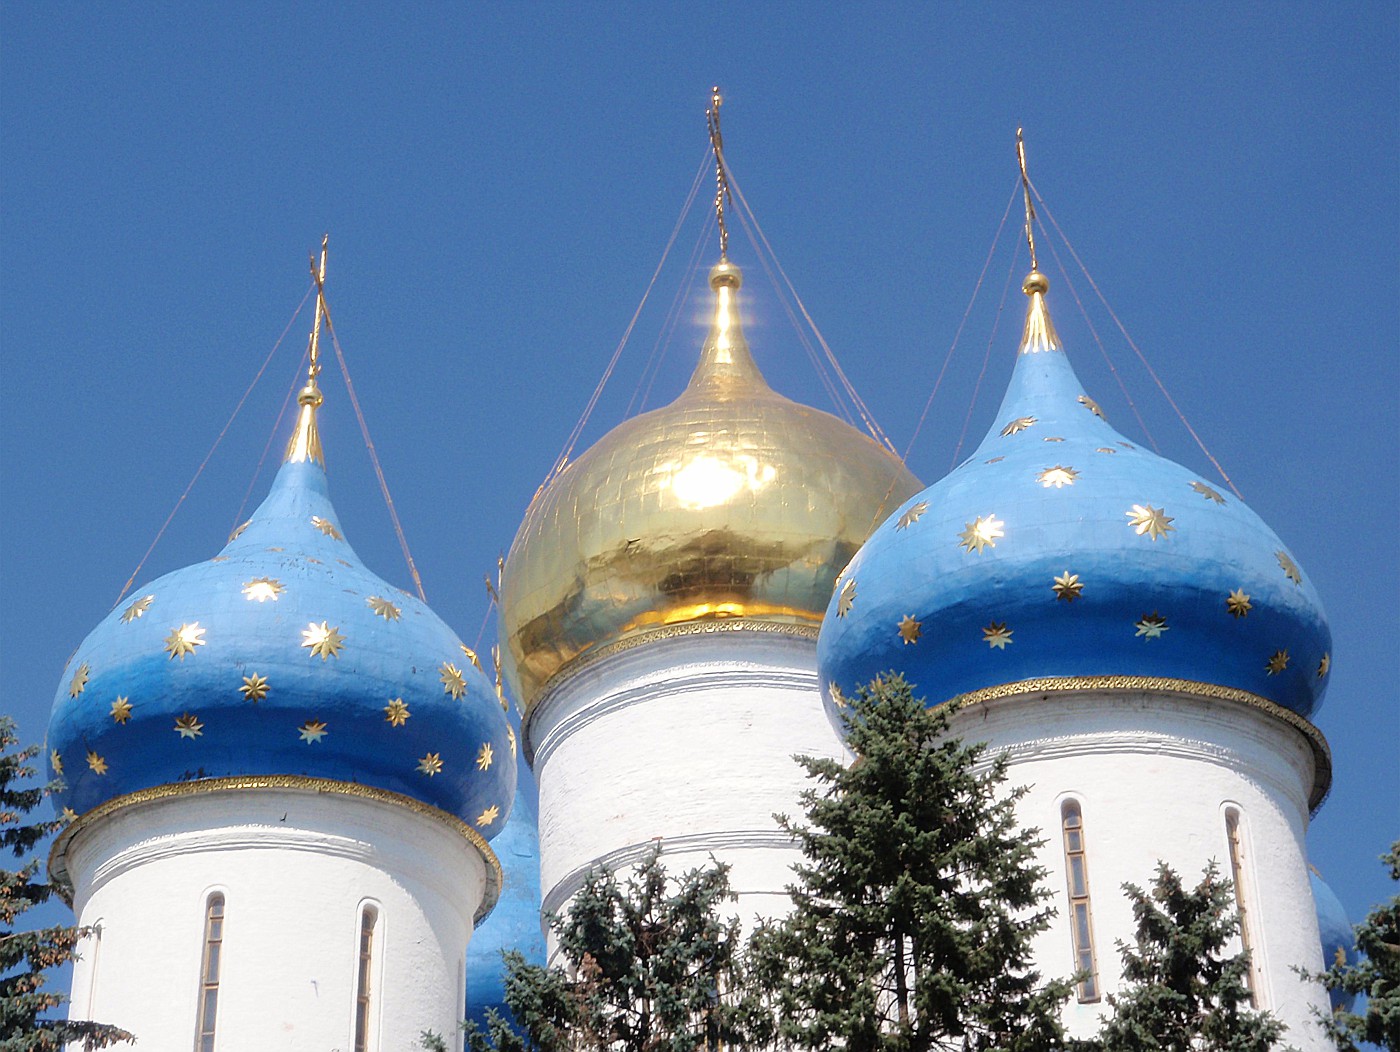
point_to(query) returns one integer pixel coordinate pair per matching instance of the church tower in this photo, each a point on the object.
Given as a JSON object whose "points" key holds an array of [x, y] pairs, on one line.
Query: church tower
{"points": [[659, 615], [1143, 647], [282, 773]]}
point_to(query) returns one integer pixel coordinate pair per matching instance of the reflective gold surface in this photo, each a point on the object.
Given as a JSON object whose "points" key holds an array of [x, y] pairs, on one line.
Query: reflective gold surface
{"points": [[731, 502]]}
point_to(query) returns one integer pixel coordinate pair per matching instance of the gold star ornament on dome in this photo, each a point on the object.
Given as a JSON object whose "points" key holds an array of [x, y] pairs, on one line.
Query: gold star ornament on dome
{"points": [[237, 531], [312, 731], [1207, 492], [322, 640], [837, 695], [488, 816], [1323, 667], [136, 609], [327, 527], [67, 815], [1238, 604], [79, 680], [1058, 476], [1067, 587], [1289, 567], [1053, 438], [1151, 626], [452, 681], [261, 589], [993, 460], [1148, 521], [383, 608], [56, 761], [96, 763], [981, 533], [254, 688], [847, 598], [1105, 449], [909, 629], [430, 764], [510, 737], [396, 713], [1278, 661], [1016, 426], [1093, 407], [484, 756], [183, 640], [188, 726], [997, 636], [121, 709], [471, 656], [912, 515]]}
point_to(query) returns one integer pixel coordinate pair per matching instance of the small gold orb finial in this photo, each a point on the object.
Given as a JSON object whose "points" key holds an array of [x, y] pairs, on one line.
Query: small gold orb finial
{"points": [[310, 395], [1035, 282], [725, 275]]}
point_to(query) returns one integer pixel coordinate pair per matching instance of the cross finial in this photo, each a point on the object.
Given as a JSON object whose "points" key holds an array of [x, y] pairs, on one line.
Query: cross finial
{"points": [[1026, 190], [721, 174]]}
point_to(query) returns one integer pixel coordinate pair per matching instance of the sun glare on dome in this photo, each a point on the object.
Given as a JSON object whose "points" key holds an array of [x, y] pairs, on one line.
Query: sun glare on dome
{"points": [[709, 481]]}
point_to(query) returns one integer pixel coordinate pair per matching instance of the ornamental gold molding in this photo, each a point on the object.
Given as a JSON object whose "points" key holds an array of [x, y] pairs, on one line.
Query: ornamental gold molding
{"points": [[58, 861], [1046, 686]]}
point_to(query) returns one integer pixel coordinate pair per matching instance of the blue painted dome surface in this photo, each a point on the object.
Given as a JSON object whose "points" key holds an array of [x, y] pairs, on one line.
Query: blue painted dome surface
{"points": [[1059, 549], [1338, 940], [515, 923], [283, 655]]}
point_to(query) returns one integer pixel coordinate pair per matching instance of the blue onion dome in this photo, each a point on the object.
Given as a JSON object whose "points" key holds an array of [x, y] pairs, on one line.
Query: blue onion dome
{"points": [[731, 503], [1061, 551], [283, 656], [516, 923], [1338, 939]]}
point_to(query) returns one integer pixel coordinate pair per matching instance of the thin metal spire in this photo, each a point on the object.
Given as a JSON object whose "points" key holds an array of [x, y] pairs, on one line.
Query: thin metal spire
{"points": [[1026, 190], [721, 175], [306, 440]]}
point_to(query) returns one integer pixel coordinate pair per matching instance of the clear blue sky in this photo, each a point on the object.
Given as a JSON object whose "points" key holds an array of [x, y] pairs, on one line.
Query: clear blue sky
{"points": [[500, 180]]}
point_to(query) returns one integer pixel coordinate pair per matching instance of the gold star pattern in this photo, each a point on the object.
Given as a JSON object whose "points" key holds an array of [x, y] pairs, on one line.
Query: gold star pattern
{"points": [[254, 688], [997, 635], [1278, 661], [327, 527], [847, 599], [1237, 602], [1207, 492], [1127, 445], [430, 764], [67, 815], [238, 531], [484, 756], [79, 681], [1149, 521], [1093, 407], [1151, 626], [994, 460], [1105, 449], [1067, 587], [183, 640], [981, 533], [1323, 667], [1058, 476], [312, 731], [56, 760], [383, 608], [452, 681], [396, 713], [1052, 438], [1289, 567], [97, 763], [1018, 425], [121, 709], [471, 656], [488, 816], [510, 737], [912, 515], [322, 640], [188, 726], [836, 695], [136, 609], [262, 589], [909, 629]]}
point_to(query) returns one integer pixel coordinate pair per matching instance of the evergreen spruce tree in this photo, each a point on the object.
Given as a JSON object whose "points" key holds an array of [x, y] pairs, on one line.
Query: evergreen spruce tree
{"points": [[648, 966], [1183, 992], [1374, 974], [25, 956], [915, 908]]}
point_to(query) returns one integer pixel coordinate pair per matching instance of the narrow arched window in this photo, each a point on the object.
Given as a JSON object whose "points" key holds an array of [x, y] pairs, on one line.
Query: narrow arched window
{"points": [[209, 972], [1080, 919], [369, 917], [1235, 837]]}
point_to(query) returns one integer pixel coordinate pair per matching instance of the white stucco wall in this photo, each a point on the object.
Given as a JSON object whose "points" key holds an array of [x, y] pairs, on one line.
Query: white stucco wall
{"points": [[296, 868]]}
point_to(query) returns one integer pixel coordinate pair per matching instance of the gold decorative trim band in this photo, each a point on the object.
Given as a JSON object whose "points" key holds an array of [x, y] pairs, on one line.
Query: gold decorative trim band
{"points": [[714, 626], [58, 868], [1322, 752]]}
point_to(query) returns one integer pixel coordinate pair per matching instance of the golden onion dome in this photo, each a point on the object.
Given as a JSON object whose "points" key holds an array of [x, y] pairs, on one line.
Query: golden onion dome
{"points": [[732, 502]]}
